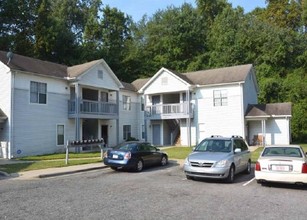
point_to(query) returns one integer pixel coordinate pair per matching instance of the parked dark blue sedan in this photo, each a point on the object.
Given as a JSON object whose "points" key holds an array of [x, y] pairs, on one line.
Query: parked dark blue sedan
{"points": [[134, 155]]}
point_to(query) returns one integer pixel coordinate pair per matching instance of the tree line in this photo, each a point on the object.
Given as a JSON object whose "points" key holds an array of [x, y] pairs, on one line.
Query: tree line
{"points": [[186, 38]]}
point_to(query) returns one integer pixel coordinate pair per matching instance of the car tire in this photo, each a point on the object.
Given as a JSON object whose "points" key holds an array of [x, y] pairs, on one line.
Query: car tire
{"points": [[139, 166], [164, 160], [189, 177], [231, 174], [248, 168], [114, 168]]}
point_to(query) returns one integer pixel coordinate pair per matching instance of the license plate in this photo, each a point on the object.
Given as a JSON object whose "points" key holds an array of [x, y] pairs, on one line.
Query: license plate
{"points": [[280, 168], [115, 156]]}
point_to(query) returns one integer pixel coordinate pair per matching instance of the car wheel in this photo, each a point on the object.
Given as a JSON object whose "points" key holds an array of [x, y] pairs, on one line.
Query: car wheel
{"points": [[139, 166], [248, 168], [164, 160], [189, 177], [231, 174], [114, 168]]}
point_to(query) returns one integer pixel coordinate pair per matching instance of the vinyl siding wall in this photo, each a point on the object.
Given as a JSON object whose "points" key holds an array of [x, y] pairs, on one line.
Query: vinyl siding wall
{"points": [[5, 100], [35, 124], [91, 79], [129, 117], [218, 120]]}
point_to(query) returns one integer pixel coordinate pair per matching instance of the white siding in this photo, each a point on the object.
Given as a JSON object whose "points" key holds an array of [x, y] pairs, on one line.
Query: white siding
{"points": [[277, 131], [91, 78], [5, 100], [130, 117], [35, 124], [171, 84], [218, 120]]}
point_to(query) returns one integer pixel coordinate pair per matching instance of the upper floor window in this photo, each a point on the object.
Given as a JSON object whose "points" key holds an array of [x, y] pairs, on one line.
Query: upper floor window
{"points": [[100, 74], [142, 103], [38, 92], [164, 81], [220, 97], [127, 102]]}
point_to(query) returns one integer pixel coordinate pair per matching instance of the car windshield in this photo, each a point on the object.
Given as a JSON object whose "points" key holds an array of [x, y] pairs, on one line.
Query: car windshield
{"points": [[128, 146], [282, 151], [214, 146]]}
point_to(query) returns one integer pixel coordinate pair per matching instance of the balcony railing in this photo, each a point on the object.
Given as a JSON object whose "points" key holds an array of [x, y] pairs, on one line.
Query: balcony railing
{"points": [[93, 107], [177, 110]]}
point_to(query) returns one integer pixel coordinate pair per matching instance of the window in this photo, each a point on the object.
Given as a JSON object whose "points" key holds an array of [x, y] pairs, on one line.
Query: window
{"points": [[127, 131], [142, 104], [60, 135], [100, 74], [143, 131], [220, 97], [127, 102], [38, 92], [164, 81]]}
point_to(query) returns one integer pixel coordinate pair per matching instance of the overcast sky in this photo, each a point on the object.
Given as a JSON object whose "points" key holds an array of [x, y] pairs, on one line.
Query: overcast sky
{"points": [[137, 8]]}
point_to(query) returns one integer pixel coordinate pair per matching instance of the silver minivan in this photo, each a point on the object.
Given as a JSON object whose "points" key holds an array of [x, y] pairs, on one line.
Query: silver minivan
{"points": [[218, 157]]}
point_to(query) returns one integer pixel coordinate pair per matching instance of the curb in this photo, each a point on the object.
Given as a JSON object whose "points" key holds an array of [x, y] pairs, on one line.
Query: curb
{"points": [[69, 172]]}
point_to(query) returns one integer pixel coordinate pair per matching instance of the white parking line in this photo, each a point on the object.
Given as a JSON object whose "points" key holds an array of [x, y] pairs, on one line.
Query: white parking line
{"points": [[245, 184]]}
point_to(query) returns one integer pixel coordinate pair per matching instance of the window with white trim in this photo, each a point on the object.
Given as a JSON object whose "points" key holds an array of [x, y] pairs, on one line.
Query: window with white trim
{"points": [[100, 74], [143, 131], [220, 97], [127, 102], [38, 92], [60, 135], [126, 131]]}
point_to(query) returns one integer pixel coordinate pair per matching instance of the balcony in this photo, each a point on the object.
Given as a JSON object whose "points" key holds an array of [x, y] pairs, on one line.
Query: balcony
{"points": [[93, 109], [170, 111]]}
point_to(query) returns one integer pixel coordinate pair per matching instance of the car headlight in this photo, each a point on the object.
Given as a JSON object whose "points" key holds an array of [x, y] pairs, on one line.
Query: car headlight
{"points": [[187, 162], [222, 163]]}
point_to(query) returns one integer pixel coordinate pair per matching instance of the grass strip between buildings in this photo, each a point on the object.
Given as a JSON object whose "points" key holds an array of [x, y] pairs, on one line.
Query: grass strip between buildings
{"points": [[58, 160]]}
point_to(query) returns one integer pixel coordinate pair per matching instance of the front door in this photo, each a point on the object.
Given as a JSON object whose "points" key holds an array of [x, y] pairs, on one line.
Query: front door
{"points": [[156, 134], [104, 133]]}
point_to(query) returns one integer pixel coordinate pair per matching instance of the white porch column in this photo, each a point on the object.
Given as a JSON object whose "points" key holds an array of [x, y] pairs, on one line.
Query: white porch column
{"points": [[77, 109], [189, 117], [263, 132]]}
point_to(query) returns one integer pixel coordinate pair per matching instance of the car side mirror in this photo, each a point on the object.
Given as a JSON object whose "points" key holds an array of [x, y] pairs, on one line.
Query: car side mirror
{"points": [[238, 150]]}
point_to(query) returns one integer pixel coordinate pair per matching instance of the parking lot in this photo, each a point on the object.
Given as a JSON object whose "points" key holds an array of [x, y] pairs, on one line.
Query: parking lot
{"points": [[155, 193]]}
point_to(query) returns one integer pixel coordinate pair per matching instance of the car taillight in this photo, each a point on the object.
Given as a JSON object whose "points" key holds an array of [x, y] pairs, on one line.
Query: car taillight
{"points": [[127, 155], [257, 166], [304, 168]]}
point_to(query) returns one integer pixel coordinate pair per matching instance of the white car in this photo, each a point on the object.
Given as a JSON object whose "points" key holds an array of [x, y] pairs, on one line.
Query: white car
{"points": [[285, 164]]}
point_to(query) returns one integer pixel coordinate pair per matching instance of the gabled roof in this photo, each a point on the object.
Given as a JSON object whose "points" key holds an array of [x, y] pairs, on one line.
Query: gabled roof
{"points": [[32, 65], [139, 83], [207, 77], [269, 110], [220, 75], [77, 70], [128, 86], [40, 67]]}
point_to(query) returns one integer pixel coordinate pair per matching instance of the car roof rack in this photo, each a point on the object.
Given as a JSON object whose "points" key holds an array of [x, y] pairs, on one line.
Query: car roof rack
{"points": [[237, 136], [214, 136]]}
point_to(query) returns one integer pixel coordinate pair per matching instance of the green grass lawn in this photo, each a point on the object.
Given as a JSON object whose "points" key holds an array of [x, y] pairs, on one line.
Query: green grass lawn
{"points": [[58, 160]]}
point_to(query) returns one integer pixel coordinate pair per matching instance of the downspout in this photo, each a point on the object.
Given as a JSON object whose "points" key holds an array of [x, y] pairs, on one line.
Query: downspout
{"points": [[11, 136], [117, 119], [189, 117], [242, 110]]}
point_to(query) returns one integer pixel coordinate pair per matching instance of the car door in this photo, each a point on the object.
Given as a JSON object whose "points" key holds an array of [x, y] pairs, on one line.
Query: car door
{"points": [[238, 157], [145, 154]]}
